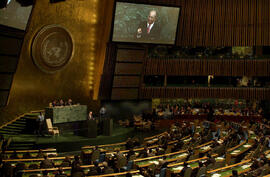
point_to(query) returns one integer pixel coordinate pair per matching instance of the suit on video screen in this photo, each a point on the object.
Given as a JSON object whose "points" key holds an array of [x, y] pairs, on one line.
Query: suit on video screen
{"points": [[154, 33], [149, 29]]}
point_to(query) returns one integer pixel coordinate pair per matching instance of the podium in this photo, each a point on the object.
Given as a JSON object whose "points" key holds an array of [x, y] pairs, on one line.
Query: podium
{"points": [[107, 126], [92, 128], [89, 129]]}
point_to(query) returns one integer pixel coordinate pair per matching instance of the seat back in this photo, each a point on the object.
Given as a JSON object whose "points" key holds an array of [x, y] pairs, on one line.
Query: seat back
{"points": [[193, 156], [218, 132], [95, 155], [249, 174], [168, 150], [202, 171], [20, 166], [102, 157], [8, 142], [210, 167], [220, 150], [129, 165], [33, 166], [188, 172], [64, 164], [121, 162], [108, 171], [49, 123], [193, 129], [121, 123], [264, 172], [1, 144], [219, 164], [246, 135], [35, 175], [162, 172], [132, 157]]}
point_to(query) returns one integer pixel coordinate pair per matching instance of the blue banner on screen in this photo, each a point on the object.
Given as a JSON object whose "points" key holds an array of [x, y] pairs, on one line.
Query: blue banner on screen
{"points": [[145, 23]]}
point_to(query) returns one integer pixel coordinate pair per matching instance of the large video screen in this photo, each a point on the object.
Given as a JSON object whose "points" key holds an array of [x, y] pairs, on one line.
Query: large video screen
{"points": [[143, 23]]}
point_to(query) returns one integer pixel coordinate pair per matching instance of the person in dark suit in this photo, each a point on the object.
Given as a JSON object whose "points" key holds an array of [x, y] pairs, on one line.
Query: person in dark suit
{"points": [[60, 173], [150, 29], [77, 171], [184, 169], [234, 173], [40, 154], [96, 170], [107, 169], [45, 173], [46, 163], [196, 170]]}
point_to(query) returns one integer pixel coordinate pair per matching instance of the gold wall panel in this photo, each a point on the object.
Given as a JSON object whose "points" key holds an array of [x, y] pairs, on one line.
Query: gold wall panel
{"points": [[88, 22]]}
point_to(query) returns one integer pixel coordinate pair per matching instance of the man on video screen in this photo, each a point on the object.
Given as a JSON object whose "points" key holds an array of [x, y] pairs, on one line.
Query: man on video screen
{"points": [[150, 29]]}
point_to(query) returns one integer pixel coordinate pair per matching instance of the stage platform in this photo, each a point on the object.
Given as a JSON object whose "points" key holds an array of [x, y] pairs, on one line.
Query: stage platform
{"points": [[68, 142]]}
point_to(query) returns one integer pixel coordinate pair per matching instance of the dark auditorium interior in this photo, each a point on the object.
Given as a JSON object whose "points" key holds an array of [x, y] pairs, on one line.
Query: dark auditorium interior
{"points": [[134, 88]]}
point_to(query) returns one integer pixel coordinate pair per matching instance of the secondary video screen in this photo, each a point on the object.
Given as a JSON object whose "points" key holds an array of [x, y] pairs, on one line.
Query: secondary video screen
{"points": [[14, 15], [143, 23]]}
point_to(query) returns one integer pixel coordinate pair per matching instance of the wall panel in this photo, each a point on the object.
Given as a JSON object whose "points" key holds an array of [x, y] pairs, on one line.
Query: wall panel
{"points": [[128, 68], [5, 81], [3, 97], [195, 67], [224, 23], [8, 63], [126, 81], [184, 92], [124, 94], [130, 55], [10, 46]]}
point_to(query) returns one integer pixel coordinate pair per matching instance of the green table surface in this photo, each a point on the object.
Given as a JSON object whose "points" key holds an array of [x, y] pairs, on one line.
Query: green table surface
{"points": [[194, 164], [56, 163], [34, 154], [198, 129], [112, 148], [68, 172], [147, 162], [229, 171], [181, 155], [204, 150], [175, 156], [108, 148], [241, 149], [88, 151], [253, 136]]}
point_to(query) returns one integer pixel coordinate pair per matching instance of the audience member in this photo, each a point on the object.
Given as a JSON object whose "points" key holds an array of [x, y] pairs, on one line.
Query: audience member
{"points": [[77, 171], [75, 163], [45, 173], [60, 173], [46, 163], [40, 154], [61, 103], [184, 169]]}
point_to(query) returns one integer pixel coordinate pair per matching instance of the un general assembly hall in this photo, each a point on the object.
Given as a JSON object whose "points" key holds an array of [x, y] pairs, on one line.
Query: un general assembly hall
{"points": [[134, 88]]}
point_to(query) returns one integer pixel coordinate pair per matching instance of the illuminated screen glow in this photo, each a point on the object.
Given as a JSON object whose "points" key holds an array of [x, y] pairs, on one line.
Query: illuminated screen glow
{"points": [[143, 23]]}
